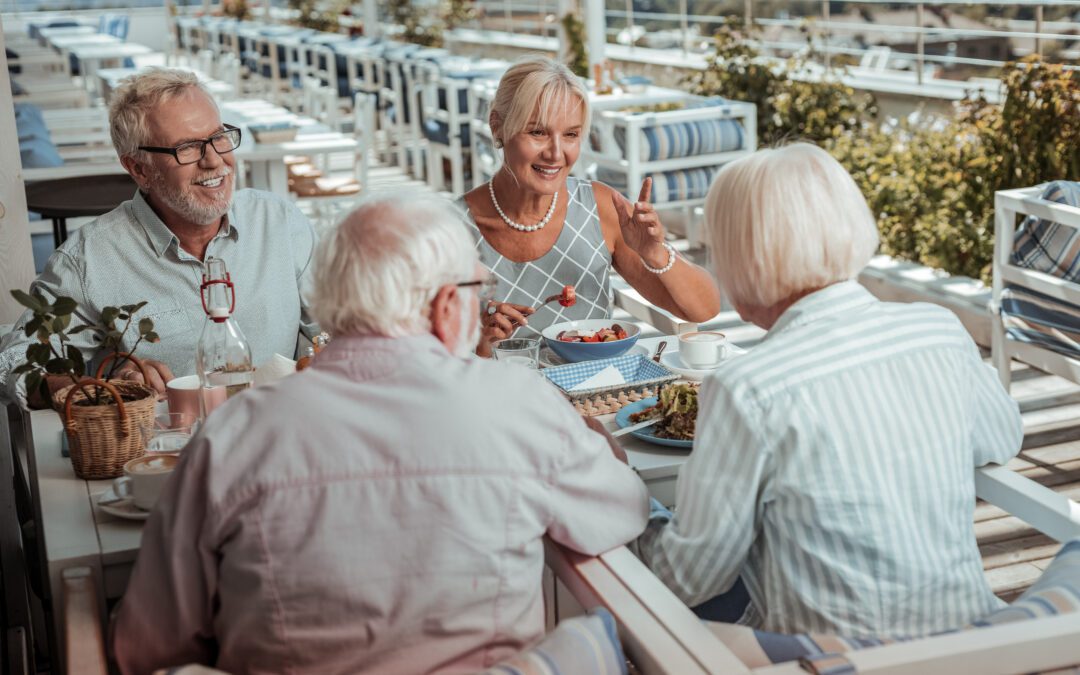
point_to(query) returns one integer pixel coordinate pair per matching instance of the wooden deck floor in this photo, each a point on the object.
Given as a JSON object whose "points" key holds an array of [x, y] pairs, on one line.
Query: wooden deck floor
{"points": [[1014, 553]]}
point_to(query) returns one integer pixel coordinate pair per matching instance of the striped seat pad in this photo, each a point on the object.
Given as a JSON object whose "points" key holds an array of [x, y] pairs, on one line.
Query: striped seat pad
{"points": [[584, 645], [1048, 246], [668, 186], [1038, 319], [681, 139]]}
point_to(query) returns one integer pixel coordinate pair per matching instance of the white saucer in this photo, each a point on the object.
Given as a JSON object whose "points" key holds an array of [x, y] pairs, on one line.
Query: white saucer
{"points": [[673, 362], [125, 508]]}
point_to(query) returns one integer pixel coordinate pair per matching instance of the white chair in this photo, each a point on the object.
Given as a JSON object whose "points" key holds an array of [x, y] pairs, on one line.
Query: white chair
{"points": [[1030, 339]]}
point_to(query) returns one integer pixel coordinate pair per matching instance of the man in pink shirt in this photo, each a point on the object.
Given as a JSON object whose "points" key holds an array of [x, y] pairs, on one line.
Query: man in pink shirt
{"points": [[383, 510]]}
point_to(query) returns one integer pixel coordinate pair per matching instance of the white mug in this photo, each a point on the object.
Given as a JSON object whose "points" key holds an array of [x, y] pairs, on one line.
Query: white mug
{"points": [[144, 478], [703, 349]]}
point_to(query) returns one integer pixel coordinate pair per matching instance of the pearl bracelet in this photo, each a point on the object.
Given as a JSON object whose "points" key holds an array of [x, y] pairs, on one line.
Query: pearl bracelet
{"points": [[670, 261]]}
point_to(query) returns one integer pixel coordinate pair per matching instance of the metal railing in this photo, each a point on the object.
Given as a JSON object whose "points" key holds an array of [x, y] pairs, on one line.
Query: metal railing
{"points": [[937, 46]]}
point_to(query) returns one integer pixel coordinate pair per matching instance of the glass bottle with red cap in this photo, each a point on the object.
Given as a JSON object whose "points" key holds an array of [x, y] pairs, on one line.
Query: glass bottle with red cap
{"points": [[223, 357]]}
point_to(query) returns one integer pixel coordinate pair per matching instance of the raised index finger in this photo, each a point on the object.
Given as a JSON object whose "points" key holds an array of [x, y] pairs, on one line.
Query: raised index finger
{"points": [[646, 190]]}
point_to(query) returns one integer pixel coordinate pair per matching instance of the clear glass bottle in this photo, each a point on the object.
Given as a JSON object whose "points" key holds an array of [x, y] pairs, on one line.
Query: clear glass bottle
{"points": [[223, 357]]}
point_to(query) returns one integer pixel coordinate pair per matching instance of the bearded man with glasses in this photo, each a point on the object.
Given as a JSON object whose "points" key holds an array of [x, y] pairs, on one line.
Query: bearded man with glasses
{"points": [[169, 137]]}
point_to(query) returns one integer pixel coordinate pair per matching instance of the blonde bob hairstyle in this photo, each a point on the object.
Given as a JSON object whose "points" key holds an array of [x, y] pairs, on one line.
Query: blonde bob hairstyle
{"points": [[378, 271], [137, 96], [535, 84], [784, 221]]}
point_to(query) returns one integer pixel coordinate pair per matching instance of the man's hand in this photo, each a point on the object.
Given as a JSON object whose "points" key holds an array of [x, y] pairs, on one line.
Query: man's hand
{"points": [[616, 449], [159, 374]]}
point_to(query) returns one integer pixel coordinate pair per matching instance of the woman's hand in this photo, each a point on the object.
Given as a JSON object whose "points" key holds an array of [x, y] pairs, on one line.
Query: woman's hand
{"points": [[501, 319], [641, 227]]}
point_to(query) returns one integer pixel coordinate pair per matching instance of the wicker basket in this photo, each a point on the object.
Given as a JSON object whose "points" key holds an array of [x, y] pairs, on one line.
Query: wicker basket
{"points": [[103, 438]]}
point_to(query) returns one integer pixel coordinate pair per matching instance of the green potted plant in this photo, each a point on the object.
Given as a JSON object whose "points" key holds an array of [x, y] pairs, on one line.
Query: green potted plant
{"points": [[103, 417]]}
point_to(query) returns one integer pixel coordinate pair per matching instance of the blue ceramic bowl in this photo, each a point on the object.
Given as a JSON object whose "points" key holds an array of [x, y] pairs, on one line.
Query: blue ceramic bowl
{"points": [[573, 352]]}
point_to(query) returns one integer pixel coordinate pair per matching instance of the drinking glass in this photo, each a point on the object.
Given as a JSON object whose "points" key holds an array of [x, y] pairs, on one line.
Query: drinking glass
{"points": [[170, 432], [521, 351]]}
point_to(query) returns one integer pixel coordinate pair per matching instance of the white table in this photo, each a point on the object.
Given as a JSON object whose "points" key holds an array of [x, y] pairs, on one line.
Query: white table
{"points": [[110, 78], [46, 35], [92, 56], [265, 160], [66, 42], [77, 533]]}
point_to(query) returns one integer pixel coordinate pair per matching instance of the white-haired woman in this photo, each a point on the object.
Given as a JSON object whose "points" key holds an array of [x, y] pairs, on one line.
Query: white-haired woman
{"points": [[538, 228], [833, 464]]}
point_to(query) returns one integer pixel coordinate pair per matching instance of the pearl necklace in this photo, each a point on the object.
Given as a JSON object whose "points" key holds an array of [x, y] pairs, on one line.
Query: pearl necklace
{"points": [[518, 226]]}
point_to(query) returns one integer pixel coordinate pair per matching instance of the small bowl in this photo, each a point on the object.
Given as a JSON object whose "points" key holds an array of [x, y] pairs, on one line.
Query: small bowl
{"points": [[588, 351]]}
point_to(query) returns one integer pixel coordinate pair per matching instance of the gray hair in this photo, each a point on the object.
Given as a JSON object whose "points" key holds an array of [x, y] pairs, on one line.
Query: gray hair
{"points": [[786, 220], [378, 271], [137, 96], [535, 82]]}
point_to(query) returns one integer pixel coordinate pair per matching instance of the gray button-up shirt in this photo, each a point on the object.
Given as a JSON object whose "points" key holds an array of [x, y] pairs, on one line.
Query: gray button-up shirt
{"points": [[129, 255]]}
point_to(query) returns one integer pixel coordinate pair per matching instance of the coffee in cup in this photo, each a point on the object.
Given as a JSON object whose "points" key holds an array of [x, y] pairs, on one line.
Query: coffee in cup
{"points": [[144, 478], [703, 349]]}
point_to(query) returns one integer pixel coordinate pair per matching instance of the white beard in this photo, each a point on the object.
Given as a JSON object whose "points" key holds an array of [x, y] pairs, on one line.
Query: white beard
{"points": [[186, 205], [468, 331]]}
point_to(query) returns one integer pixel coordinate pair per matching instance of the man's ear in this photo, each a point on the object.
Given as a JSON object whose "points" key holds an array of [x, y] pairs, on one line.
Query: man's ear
{"points": [[445, 315], [137, 170]]}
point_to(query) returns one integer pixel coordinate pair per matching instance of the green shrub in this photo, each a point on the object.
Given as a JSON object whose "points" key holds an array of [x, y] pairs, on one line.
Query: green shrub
{"points": [[930, 182]]}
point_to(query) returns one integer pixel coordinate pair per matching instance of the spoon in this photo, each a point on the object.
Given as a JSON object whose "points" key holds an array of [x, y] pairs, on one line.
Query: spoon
{"points": [[659, 350]]}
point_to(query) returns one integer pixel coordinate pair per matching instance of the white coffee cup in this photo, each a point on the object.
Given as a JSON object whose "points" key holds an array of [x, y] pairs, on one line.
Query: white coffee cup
{"points": [[144, 478], [703, 349]]}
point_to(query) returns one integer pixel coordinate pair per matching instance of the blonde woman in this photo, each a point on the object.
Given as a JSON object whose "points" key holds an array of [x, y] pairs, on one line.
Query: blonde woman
{"points": [[538, 228]]}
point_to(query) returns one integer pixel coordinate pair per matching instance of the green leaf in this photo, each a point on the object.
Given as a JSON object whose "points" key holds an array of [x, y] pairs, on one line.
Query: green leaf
{"points": [[78, 364], [145, 326], [113, 339], [60, 323], [127, 308], [80, 328], [63, 305], [59, 366], [152, 337], [33, 381], [24, 368], [108, 315], [123, 316], [38, 353], [43, 334], [137, 306], [26, 300], [32, 325]]}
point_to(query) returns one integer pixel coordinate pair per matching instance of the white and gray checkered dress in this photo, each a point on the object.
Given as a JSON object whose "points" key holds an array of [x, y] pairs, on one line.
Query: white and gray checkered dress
{"points": [[580, 257]]}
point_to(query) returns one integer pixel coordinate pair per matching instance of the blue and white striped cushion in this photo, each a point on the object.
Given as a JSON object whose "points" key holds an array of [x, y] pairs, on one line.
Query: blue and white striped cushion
{"points": [[1047, 246], [683, 139], [1052, 248], [584, 645], [668, 186], [1037, 319]]}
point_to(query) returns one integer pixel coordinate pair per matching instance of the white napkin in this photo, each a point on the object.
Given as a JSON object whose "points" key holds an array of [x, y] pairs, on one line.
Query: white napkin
{"points": [[275, 368], [608, 377]]}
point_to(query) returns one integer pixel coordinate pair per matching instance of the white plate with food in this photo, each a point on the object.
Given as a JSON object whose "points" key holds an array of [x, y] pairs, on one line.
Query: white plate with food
{"points": [[677, 408]]}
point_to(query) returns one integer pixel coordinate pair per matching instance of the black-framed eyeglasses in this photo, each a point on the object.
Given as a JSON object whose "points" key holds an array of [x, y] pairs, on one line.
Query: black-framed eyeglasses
{"points": [[223, 143], [486, 288]]}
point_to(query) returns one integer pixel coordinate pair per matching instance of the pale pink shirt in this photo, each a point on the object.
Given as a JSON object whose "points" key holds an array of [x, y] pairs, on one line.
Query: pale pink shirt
{"points": [[380, 512]]}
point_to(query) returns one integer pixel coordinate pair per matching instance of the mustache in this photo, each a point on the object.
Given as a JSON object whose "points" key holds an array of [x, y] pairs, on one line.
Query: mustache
{"points": [[223, 173]]}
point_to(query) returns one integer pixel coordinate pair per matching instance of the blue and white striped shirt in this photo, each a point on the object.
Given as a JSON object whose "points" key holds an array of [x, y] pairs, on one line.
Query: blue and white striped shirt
{"points": [[833, 470]]}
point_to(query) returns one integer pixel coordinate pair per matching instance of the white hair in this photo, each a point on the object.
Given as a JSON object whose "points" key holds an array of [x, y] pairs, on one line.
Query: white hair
{"points": [[137, 96], [786, 220], [535, 84], [378, 271]]}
